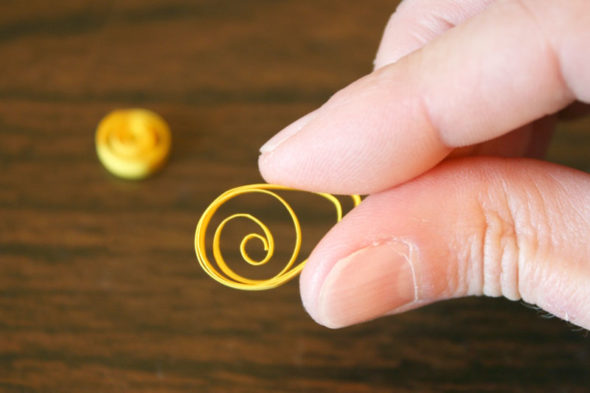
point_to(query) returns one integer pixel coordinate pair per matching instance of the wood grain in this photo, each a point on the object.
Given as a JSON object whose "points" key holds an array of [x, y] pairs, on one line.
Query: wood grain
{"points": [[99, 287]]}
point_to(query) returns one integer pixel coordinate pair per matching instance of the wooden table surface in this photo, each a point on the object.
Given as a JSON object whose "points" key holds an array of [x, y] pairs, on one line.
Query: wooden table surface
{"points": [[99, 286]]}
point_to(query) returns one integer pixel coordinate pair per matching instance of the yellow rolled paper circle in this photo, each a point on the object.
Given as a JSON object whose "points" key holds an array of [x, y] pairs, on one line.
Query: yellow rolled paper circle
{"points": [[221, 272], [132, 143]]}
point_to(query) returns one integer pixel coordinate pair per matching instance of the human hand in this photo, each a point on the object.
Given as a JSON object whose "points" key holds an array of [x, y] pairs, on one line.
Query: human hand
{"points": [[483, 224]]}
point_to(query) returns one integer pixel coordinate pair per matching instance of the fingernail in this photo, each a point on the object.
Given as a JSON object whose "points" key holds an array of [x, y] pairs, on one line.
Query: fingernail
{"points": [[367, 284], [286, 133]]}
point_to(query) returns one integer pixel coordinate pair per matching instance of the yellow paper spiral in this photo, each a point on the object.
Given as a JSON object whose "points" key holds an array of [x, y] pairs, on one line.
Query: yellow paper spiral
{"points": [[132, 143], [221, 272]]}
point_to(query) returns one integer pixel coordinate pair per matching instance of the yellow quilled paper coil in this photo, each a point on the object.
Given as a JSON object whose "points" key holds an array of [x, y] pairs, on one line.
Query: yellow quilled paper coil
{"points": [[132, 143], [221, 272]]}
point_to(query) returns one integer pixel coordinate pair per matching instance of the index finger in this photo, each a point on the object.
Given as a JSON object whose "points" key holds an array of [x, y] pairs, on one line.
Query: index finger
{"points": [[511, 64]]}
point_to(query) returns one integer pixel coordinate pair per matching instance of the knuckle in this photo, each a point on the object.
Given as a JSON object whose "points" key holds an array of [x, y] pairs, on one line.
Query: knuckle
{"points": [[513, 224]]}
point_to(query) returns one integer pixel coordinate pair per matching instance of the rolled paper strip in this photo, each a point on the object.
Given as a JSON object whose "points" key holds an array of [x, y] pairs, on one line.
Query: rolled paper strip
{"points": [[221, 272], [132, 143]]}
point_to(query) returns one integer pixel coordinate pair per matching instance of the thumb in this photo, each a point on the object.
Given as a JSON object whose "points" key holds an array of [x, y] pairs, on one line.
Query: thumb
{"points": [[478, 226]]}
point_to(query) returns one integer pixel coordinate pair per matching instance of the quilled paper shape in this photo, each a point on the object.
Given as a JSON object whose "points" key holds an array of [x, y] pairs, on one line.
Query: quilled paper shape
{"points": [[219, 269], [132, 143]]}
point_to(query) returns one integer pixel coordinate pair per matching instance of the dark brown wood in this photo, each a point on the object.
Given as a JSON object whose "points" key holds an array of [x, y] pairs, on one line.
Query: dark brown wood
{"points": [[99, 286]]}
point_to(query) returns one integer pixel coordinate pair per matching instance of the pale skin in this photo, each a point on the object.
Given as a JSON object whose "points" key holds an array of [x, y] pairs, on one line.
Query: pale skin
{"points": [[441, 136]]}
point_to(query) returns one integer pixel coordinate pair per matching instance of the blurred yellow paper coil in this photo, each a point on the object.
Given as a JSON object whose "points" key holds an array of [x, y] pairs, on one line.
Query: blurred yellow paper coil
{"points": [[132, 143]]}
